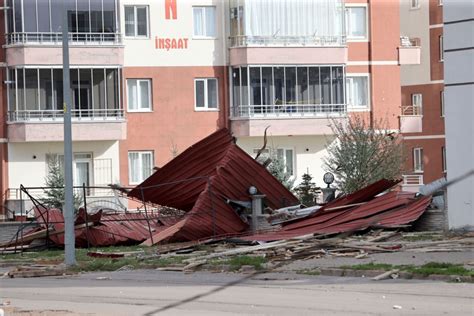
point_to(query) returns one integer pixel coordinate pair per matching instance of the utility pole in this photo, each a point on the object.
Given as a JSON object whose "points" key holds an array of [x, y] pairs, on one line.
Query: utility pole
{"points": [[68, 210]]}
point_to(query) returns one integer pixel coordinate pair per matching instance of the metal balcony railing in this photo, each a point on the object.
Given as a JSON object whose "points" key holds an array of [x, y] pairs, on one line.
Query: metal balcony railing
{"points": [[406, 41], [56, 38], [411, 110], [244, 41], [285, 111], [53, 115]]}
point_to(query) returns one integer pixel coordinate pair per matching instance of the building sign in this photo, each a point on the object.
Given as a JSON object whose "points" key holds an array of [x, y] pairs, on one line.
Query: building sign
{"points": [[171, 43], [171, 10]]}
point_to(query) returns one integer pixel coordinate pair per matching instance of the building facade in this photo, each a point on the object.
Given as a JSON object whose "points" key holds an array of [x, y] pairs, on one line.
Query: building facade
{"points": [[459, 74], [151, 77], [422, 105]]}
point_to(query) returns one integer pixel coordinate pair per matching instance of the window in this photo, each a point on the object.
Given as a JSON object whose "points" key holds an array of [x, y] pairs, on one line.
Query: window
{"points": [[417, 103], [136, 21], [356, 23], [418, 159], [139, 95], [206, 95], [441, 96], [357, 89], [443, 157], [441, 49], [285, 155], [204, 21], [414, 4], [140, 166], [440, 2]]}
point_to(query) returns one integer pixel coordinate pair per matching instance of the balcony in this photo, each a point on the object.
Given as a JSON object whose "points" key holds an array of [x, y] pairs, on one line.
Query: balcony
{"points": [[286, 120], [48, 38], [411, 119], [47, 125], [284, 41], [409, 51]]}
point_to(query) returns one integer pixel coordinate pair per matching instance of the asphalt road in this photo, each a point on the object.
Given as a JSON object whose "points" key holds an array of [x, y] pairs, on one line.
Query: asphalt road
{"points": [[167, 293]]}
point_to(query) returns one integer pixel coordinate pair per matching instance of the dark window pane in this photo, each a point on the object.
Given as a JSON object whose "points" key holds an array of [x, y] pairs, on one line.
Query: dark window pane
{"points": [[10, 18], [99, 88], [86, 89], [46, 93], [279, 81], [13, 92], [83, 17], [29, 9], [326, 85], [43, 16], [290, 73], [245, 88], [21, 89], [236, 86], [75, 92], [112, 88], [199, 93], [267, 85], [142, 21], [337, 85], [96, 16], [129, 21], [302, 85], [56, 15], [109, 16], [255, 95], [212, 93], [18, 16], [58, 88], [314, 86], [31, 89]]}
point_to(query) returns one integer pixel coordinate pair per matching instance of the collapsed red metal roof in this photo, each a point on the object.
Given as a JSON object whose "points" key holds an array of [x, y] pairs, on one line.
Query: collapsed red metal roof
{"points": [[201, 179]]}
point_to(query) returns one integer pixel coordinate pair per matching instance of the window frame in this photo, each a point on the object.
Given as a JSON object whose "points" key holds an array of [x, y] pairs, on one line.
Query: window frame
{"points": [[267, 153], [364, 38], [442, 109], [349, 77], [443, 159], [150, 96], [203, 8], [414, 96], [418, 5], [418, 166], [140, 153], [206, 107], [135, 20], [440, 3]]}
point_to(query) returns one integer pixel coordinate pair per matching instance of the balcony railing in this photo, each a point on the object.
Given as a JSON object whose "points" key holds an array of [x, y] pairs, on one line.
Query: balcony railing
{"points": [[244, 41], [56, 38], [413, 179], [411, 110], [406, 41], [288, 111], [56, 115]]}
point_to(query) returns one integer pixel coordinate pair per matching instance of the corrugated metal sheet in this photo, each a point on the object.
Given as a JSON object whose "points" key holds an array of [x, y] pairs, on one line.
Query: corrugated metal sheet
{"points": [[220, 170], [388, 210]]}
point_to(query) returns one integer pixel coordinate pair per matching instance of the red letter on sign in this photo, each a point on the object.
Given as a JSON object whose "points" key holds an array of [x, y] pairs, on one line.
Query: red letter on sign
{"points": [[170, 9]]}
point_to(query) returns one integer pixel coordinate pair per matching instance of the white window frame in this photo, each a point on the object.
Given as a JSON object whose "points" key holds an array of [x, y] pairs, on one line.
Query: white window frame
{"points": [[140, 153], [203, 8], [417, 102], [349, 77], [440, 2], [442, 102], [443, 158], [150, 97], [266, 153], [416, 6], [135, 20], [357, 38], [418, 166], [441, 48], [206, 107]]}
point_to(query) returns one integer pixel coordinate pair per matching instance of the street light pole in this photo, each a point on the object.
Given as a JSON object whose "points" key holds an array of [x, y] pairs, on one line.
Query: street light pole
{"points": [[68, 210]]}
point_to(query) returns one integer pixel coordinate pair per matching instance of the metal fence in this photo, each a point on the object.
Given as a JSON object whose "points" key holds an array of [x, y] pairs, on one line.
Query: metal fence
{"points": [[317, 41], [52, 115], [56, 38], [315, 110]]}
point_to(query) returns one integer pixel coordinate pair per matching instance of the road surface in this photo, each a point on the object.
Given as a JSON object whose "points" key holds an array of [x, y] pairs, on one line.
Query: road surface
{"points": [[168, 293]]}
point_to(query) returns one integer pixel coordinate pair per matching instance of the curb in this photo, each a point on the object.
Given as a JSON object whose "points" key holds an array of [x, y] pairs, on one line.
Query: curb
{"points": [[401, 275]]}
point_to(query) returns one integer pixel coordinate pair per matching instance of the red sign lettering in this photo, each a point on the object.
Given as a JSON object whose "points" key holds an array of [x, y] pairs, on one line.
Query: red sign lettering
{"points": [[171, 43], [171, 11]]}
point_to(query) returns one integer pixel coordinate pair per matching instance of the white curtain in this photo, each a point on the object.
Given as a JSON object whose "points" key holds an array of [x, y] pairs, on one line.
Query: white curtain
{"points": [[144, 95], [210, 21], [134, 165], [147, 165], [293, 17], [129, 21], [132, 95], [198, 14]]}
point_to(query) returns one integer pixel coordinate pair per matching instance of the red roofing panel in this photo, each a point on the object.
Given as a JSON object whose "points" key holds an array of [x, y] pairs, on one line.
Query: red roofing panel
{"points": [[219, 170]]}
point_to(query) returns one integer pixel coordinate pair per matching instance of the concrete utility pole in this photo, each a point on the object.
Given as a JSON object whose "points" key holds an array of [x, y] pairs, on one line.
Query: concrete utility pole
{"points": [[68, 210]]}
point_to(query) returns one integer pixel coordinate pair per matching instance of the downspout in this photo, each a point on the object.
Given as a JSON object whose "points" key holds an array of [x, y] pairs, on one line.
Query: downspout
{"points": [[371, 73], [226, 107]]}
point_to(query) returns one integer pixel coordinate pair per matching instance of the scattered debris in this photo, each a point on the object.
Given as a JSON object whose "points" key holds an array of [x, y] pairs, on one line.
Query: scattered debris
{"points": [[387, 275], [37, 271], [397, 307]]}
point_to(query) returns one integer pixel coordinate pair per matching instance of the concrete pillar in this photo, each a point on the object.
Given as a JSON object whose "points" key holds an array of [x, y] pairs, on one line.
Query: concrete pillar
{"points": [[257, 208]]}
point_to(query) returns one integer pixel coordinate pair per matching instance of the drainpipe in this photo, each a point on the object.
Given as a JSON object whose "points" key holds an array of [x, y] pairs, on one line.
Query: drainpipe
{"points": [[371, 49], [226, 105]]}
